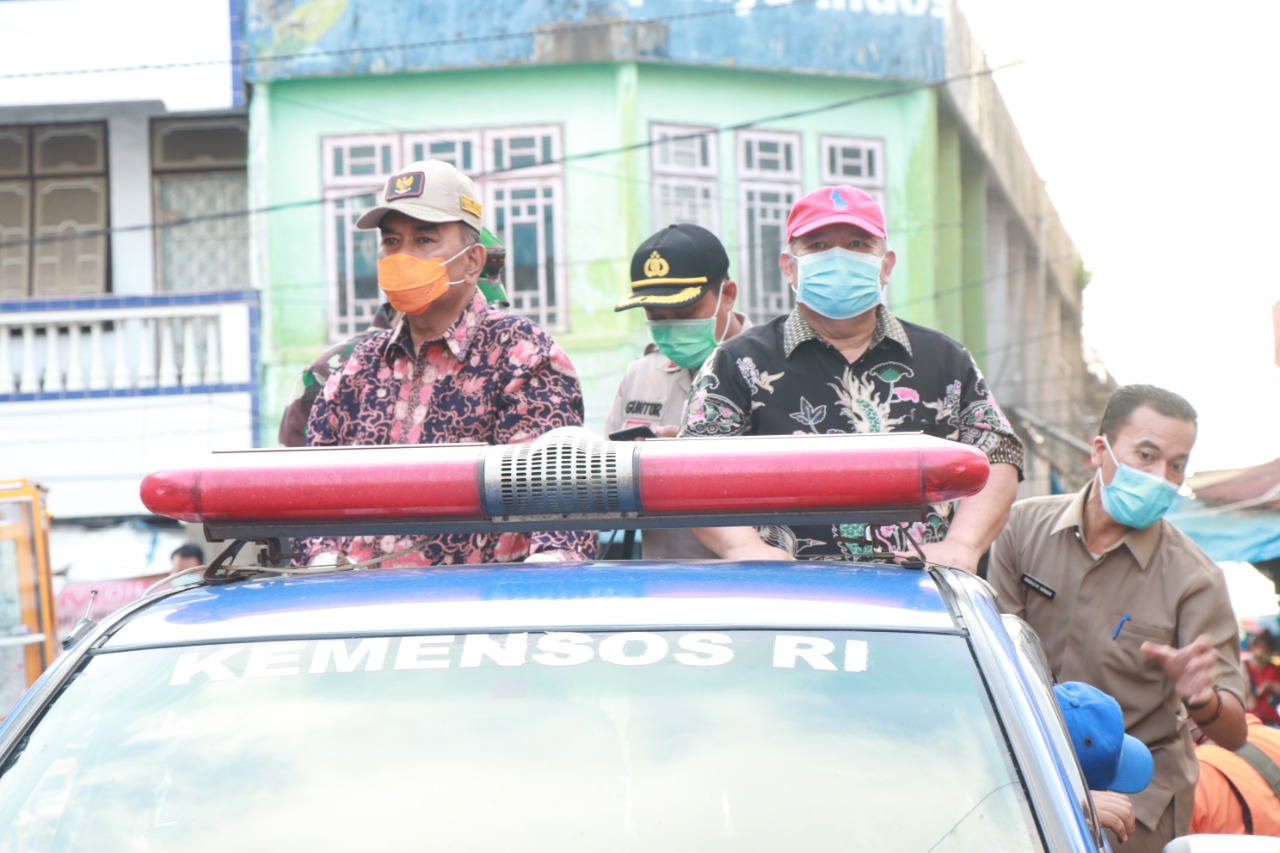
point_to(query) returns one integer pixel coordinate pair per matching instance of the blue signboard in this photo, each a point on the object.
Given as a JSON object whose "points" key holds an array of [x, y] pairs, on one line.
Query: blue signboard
{"points": [[235, 9], [899, 39]]}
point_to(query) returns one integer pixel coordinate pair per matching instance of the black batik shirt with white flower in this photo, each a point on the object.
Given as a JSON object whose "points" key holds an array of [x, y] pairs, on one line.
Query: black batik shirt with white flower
{"points": [[781, 378]]}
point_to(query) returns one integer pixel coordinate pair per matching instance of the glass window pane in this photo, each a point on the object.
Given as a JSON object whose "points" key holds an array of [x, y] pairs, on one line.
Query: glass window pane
{"points": [[524, 151], [15, 225], [63, 149], [212, 252], [549, 253], [523, 248], [192, 143], [728, 741], [15, 160], [362, 164], [357, 260], [66, 264]]}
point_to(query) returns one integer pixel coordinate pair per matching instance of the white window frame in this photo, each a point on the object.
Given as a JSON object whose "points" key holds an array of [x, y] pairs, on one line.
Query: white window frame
{"points": [[670, 177], [546, 174], [761, 303], [536, 306], [166, 172], [363, 182], [873, 182], [341, 326], [457, 138], [161, 127], [75, 260], [553, 166], [338, 189], [754, 269], [748, 139]]}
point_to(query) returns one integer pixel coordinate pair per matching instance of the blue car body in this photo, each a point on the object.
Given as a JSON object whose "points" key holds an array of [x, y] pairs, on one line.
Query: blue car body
{"points": [[559, 614]]}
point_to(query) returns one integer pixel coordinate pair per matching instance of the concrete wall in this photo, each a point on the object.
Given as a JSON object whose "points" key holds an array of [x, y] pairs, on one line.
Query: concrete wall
{"points": [[93, 453]]}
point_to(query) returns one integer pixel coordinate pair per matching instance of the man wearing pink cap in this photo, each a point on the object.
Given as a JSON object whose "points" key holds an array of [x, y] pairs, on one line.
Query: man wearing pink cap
{"points": [[840, 362]]}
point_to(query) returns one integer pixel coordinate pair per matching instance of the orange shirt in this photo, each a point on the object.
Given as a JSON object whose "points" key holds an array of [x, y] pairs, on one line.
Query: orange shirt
{"points": [[1216, 808]]}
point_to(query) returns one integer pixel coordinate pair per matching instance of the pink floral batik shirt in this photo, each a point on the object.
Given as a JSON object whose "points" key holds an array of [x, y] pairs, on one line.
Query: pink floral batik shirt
{"points": [[493, 377]]}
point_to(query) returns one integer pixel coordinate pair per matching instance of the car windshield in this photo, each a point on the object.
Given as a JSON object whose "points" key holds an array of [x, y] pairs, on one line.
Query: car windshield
{"points": [[624, 741]]}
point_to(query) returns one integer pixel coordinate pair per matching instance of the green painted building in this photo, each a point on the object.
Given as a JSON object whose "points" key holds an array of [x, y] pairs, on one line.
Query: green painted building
{"points": [[588, 129]]}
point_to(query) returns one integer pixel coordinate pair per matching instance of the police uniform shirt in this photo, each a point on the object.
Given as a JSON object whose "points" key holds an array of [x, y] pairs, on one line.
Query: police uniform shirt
{"points": [[1093, 615], [652, 394]]}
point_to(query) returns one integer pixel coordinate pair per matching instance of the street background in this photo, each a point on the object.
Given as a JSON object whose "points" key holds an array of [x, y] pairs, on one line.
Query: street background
{"points": [[1148, 122]]}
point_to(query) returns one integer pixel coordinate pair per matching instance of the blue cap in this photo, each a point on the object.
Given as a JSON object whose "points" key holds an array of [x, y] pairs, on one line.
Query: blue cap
{"points": [[1111, 759]]}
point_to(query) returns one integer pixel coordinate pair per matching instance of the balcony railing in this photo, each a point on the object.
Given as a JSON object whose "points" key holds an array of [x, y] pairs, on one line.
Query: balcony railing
{"points": [[113, 345]]}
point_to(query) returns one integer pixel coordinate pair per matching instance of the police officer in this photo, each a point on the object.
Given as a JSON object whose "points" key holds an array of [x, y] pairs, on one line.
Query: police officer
{"points": [[680, 277]]}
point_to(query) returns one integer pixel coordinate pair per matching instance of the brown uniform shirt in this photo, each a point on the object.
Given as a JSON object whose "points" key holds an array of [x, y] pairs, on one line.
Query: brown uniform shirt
{"points": [[1156, 585]]}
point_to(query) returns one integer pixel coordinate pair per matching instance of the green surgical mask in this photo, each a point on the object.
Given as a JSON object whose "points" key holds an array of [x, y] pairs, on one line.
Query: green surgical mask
{"points": [[685, 342]]}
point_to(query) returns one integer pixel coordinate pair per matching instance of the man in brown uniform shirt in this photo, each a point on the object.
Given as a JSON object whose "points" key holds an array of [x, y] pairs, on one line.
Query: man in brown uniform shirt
{"points": [[1124, 601]]}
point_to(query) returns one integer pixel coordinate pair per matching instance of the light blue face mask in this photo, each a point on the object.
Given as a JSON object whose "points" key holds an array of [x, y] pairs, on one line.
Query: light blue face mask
{"points": [[1135, 498], [838, 283]]}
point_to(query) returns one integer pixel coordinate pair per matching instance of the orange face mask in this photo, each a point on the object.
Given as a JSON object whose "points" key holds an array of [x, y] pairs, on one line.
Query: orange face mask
{"points": [[412, 284]]}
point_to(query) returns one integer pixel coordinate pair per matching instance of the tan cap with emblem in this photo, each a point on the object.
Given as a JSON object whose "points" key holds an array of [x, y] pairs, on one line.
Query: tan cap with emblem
{"points": [[429, 190]]}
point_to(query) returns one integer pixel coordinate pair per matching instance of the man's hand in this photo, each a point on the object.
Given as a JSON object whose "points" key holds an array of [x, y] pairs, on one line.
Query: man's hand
{"points": [[558, 555], [738, 543], [758, 550], [1193, 668], [1115, 812], [947, 553]]}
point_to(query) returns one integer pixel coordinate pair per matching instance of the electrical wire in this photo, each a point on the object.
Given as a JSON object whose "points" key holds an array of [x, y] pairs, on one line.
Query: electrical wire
{"points": [[507, 171]]}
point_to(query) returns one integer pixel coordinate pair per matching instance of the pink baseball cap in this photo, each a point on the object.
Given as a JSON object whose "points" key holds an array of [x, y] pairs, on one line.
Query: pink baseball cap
{"points": [[826, 205]]}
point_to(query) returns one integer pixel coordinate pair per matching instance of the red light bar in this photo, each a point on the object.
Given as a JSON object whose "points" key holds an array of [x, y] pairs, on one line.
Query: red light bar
{"points": [[568, 480]]}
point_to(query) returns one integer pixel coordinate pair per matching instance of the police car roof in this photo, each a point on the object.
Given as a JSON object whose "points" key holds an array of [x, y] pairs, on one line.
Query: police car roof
{"points": [[603, 596]]}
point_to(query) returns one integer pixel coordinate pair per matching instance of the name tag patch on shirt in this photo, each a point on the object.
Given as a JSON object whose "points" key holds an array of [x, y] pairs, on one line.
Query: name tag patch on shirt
{"points": [[1039, 586], [640, 407]]}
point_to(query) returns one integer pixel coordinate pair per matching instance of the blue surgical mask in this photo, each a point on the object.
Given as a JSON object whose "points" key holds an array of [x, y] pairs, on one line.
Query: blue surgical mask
{"points": [[1135, 498], [686, 342], [838, 283]]}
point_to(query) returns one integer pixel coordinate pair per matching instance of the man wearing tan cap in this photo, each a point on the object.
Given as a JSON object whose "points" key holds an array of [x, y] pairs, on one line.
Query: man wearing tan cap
{"points": [[450, 370], [842, 363], [680, 277]]}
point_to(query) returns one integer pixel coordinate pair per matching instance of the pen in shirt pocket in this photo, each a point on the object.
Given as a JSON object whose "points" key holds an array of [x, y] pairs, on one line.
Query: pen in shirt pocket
{"points": [[1119, 625]]}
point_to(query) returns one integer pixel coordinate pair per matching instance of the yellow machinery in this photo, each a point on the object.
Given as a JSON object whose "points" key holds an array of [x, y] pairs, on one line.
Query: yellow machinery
{"points": [[27, 623]]}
